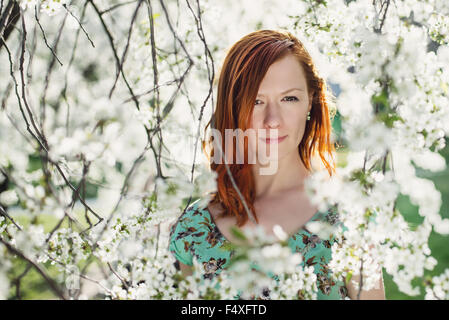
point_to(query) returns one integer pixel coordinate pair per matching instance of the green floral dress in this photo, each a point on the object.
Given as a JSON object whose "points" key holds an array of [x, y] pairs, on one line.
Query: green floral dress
{"points": [[196, 234]]}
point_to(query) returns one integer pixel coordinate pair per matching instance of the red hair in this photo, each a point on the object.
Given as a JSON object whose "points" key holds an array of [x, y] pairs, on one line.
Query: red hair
{"points": [[243, 69]]}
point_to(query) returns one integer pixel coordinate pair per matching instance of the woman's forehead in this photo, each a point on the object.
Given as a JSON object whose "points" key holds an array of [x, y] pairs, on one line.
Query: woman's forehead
{"points": [[285, 74]]}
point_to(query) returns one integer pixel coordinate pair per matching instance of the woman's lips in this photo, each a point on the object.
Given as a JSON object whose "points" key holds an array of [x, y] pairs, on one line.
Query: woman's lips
{"points": [[267, 140]]}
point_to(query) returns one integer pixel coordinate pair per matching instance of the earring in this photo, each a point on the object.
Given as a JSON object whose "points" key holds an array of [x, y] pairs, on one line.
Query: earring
{"points": [[308, 115]]}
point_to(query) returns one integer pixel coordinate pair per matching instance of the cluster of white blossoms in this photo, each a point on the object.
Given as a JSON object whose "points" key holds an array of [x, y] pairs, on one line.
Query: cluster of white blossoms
{"points": [[144, 278], [395, 116], [196, 286], [140, 266], [9, 198], [439, 287], [66, 249], [266, 268], [50, 7], [439, 28], [301, 284], [30, 241]]}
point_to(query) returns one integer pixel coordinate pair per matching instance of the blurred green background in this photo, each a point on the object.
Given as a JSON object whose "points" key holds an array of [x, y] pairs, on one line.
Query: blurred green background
{"points": [[438, 244]]}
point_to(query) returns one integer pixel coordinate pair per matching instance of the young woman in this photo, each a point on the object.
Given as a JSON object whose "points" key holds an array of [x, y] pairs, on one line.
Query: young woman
{"points": [[268, 81]]}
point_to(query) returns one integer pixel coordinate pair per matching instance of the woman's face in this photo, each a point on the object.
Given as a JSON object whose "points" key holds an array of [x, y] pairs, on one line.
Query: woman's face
{"points": [[282, 103]]}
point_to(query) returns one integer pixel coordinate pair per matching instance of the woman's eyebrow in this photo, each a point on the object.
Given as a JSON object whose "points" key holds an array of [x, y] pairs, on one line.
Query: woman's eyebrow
{"points": [[284, 92], [288, 90]]}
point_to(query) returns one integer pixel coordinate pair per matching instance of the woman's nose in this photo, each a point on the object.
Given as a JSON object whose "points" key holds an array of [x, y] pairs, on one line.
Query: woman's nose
{"points": [[272, 116]]}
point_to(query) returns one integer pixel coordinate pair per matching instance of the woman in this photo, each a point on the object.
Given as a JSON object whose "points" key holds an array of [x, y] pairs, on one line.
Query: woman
{"points": [[268, 84]]}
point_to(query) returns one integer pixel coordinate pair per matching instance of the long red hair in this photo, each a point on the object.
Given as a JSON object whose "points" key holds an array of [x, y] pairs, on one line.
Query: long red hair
{"points": [[243, 69]]}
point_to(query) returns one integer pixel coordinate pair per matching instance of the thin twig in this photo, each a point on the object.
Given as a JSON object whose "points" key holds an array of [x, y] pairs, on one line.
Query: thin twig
{"points": [[125, 51], [45, 38], [5, 214], [114, 51], [53, 285], [118, 276], [81, 26], [117, 6], [361, 281]]}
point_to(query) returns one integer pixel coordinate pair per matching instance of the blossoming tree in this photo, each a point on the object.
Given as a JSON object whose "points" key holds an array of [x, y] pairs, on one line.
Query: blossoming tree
{"points": [[102, 108]]}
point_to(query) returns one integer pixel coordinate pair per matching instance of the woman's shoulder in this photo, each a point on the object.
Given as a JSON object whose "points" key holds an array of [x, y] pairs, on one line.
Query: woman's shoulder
{"points": [[184, 232], [194, 222], [195, 234]]}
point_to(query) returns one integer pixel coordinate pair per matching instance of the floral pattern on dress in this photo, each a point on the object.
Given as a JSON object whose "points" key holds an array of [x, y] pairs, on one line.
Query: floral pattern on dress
{"points": [[212, 266], [196, 235]]}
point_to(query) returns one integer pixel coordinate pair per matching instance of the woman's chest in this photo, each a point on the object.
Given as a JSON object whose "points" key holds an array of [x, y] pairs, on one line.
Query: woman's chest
{"points": [[287, 212]]}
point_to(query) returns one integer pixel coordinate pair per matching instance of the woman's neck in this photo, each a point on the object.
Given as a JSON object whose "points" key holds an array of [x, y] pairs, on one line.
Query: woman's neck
{"points": [[290, 174]]}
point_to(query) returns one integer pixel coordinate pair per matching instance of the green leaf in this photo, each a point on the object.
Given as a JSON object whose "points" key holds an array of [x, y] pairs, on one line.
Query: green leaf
{"points": [[348, 277], [227, 246], [389, 119], [444, 87], [167, 109], [380, 101], [238, 233]]}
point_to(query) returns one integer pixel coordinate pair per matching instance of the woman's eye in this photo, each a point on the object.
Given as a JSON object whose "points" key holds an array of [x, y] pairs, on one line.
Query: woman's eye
{"points": [[291, 98], [288, 98]]}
